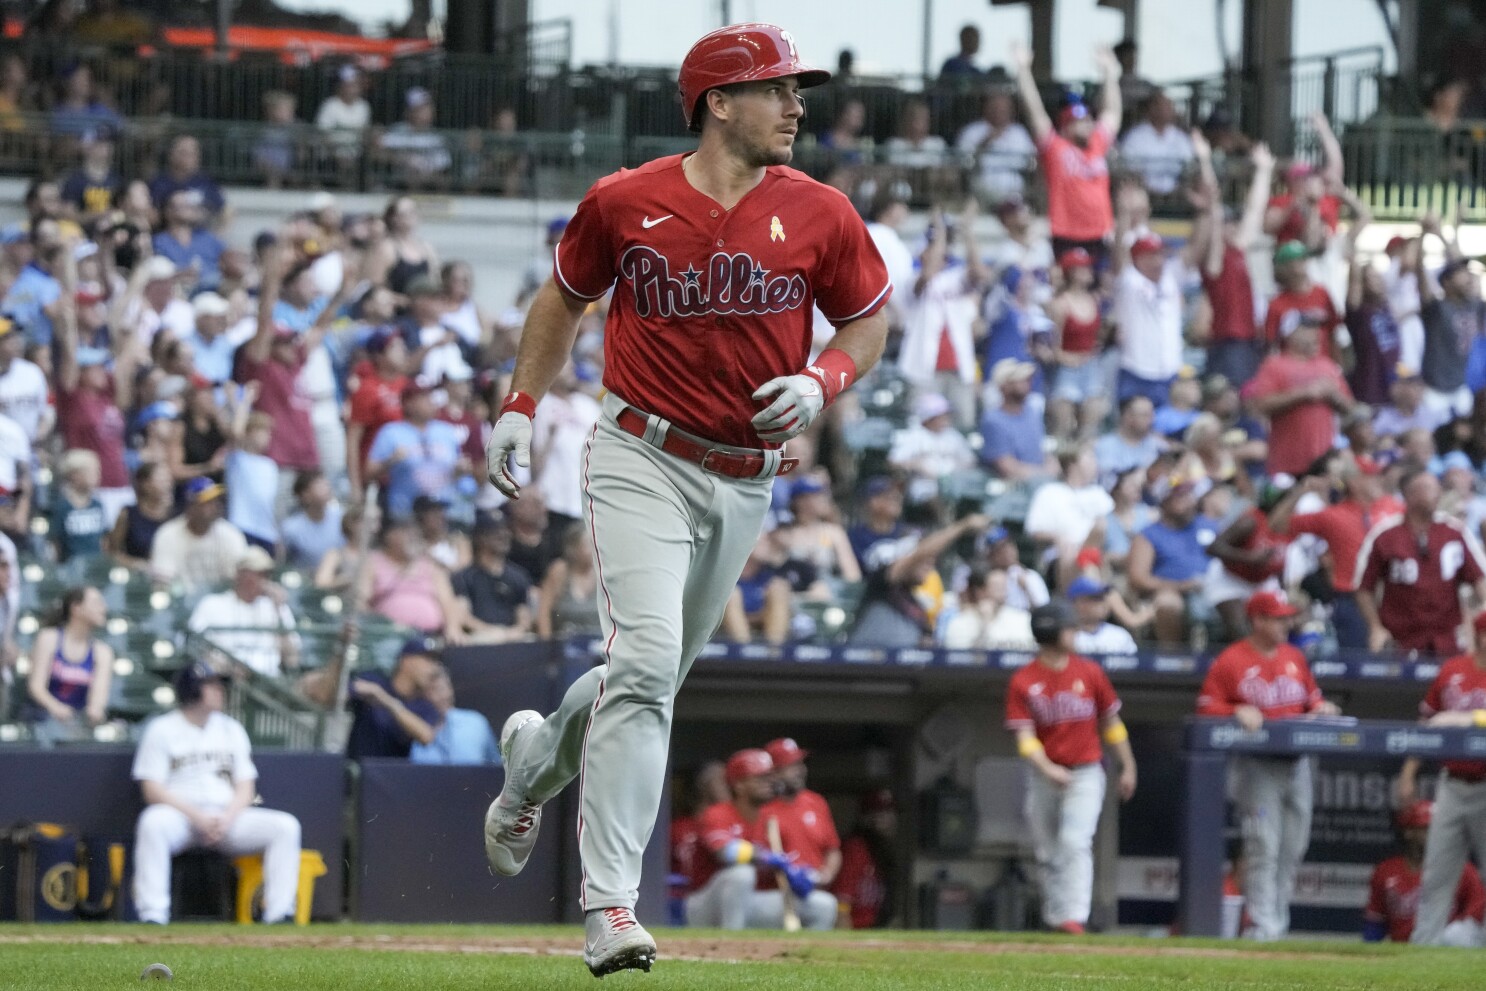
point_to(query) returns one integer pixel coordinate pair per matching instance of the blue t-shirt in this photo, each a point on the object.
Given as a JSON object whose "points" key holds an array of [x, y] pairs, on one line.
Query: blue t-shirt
{"points": [[465, 738], [1017, 434], [252, 487], [306, 542], [214, 357], [30, 294], [204, 248], [374, 730], [1116, 455], [163, 187], [1181, 555], [427, 467]]}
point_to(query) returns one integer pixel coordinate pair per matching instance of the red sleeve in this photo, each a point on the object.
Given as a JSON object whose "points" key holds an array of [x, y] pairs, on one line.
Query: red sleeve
{"points": [[1313, 523], [826, 823], [1313, 696], [1217, 697], [363, 409], [853, 282], [1377, 896], [1272, 315], [716, 827], [1433, 702], [1018, 715], [583, 261], [1100, 140], [1470, 898], [1105, 699]]}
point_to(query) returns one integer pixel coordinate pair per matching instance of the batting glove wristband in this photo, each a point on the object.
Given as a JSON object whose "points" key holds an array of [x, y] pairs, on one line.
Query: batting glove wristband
{"points": [[512, 435], [801, 397]]}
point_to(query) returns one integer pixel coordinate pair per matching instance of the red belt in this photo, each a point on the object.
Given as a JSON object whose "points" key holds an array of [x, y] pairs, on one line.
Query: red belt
{"points": [[727, 463]]}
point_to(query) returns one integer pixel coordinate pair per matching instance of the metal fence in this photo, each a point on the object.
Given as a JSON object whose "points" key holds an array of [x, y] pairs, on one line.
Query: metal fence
{"points": [[1404, 168]]}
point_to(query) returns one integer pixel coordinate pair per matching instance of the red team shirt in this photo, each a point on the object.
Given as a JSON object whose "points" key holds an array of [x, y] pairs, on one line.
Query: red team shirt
{"points": [[710, 303], [1279, 685], [375, 403], [1344, 527], [1288, 309], [292, 444], [1303, 432], [860, 884], [686, 846], [806, 828], [1063, 707], [719, 825], [1078, 203], [1459, 687], [1421, 599], [1393, 897]]}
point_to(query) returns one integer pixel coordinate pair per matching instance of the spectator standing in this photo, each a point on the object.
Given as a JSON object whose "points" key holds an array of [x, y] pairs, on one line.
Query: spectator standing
{"points": [[198, 549], [560, 431], [888, 213], [71, 670], [132, 539], [1300, 301], [1222, 248], [1078, 402], [1073, 158], [998, 147], [1013, 431], [416, 455], [1420, 561], [183, 171], [184, 239], [376, 401], [1059, 707], [498, 593], [315, 528], [1156, 149], [197, 776], [251, 621], [78, 520], [938, 349], [461, 736], [1147, 311], [1454, 319], [92, 189], [1300, 390], [1254, 680], [1376, 343], [390, 714], [1307, 211], [1168, 559], [961, 68]]}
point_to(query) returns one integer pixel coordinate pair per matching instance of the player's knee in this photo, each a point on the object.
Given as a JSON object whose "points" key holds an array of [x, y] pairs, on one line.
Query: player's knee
{"points": [[735, 879], [649, 684], [289, 830], [153, 822], [819, 910]]}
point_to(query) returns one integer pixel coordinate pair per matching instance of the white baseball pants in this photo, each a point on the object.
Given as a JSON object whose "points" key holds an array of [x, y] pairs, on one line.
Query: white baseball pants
{"points": [[732, 900], [1457, 829], [1273, 796], [670, 541], [164, 831], [1062, 823]]}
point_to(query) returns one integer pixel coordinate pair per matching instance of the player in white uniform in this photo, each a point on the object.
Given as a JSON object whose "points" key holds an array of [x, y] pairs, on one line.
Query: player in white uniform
{"points": [[197, 775]]}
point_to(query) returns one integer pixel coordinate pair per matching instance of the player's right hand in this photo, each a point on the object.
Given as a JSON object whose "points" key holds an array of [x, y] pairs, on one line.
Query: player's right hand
{"points": [[512, 435], [800, 881], [1059, 775]]}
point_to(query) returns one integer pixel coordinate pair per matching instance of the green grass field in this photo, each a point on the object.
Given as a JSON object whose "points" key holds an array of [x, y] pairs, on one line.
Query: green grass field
{"points": [[487, 958]]}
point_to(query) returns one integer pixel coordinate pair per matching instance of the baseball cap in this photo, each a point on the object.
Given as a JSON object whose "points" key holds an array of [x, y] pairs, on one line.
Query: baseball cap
{"points": [[1084, 587], [1179, 482], [1394, 243], [993, 536], [189, 679], [424, 503], [458, 372], [158, 268], [161, 410], [202, 489], [418, 646], [255, 558], [1147, 244], [1452, 266], [209, 304], [1075, 258], [379, 339], [1299, 169], [1011, 370], [1270, 604], [747, 764], [1089, 557], [348, 73], [13, 234], [1076, 110], [415, 388], [929, 406], [1291, 251], [1010, 205], [877, 485], [784, 752], [806, 486], [557, 225], [322, 200], [1368, 465]]}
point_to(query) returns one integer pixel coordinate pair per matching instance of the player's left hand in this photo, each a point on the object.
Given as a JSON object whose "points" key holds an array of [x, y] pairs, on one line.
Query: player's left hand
{"points": [[800, 881], [799, 401], [1127, 784], [512, 435]]}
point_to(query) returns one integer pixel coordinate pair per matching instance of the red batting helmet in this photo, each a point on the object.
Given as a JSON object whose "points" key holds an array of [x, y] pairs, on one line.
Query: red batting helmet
{"points": [[740, 53], [748, 764], [1416, 815]]}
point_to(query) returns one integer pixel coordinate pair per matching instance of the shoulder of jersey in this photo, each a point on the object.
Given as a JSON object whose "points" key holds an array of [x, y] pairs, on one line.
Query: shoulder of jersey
{"points": [[624, 176], [808, 185]]}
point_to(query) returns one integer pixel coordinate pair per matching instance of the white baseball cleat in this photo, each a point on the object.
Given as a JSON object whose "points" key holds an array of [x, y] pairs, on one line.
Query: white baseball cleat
{"points": [[511, 822], [614, 941]]}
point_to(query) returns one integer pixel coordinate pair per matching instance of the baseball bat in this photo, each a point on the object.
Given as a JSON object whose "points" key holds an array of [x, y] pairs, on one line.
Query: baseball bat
{"points": [[791, 917]]}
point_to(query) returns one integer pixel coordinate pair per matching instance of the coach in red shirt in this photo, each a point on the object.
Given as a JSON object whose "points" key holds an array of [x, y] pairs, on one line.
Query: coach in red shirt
{"points": [[1393, 895], [1080, 212], [1259, 678], [1457, 829], [1058, 706], [1420, 562], [1301, 391], [806, 829]]}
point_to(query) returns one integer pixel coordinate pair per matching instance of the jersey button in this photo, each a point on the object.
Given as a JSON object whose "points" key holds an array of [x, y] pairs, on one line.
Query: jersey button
{"points": [[714, 214], [719, 242]]}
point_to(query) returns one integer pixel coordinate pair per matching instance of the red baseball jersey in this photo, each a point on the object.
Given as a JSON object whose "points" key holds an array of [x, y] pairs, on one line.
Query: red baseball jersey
{"points": [[1063, 707], [806, 828], [719, 825], [1279, 685], [1078, 203], [1393, 897], [375, 403], [709, 304], [1421, 580], [1459, 687], [686, 846], [860, 883]]}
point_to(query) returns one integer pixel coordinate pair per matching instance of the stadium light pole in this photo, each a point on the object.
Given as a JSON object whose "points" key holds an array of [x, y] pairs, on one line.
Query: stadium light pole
{"points": [[928, 43]]}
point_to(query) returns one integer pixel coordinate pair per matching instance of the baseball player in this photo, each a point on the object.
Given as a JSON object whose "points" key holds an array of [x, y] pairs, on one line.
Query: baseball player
{"points": [[729, 888], [1393, 895], [194, 768], [1059, 705], [715, 259], [806, 829], [1457, 828], [1254, 679]]}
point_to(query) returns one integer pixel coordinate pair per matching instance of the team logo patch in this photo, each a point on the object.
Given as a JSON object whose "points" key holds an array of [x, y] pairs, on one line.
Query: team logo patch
{"points": [[776, 230]]}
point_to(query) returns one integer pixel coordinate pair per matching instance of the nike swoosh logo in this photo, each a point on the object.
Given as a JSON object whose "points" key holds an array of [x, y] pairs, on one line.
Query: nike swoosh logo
{"points": [[647, 223]]}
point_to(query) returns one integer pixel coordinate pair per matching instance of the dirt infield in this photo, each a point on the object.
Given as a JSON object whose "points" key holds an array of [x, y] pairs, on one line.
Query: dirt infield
{"points": [[673, 945]]}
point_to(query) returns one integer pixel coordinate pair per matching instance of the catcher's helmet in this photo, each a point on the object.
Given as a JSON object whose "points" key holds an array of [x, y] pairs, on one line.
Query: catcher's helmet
{"points": [[748, 764], [740, 53], [1416, 815], [1049, 620]]}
